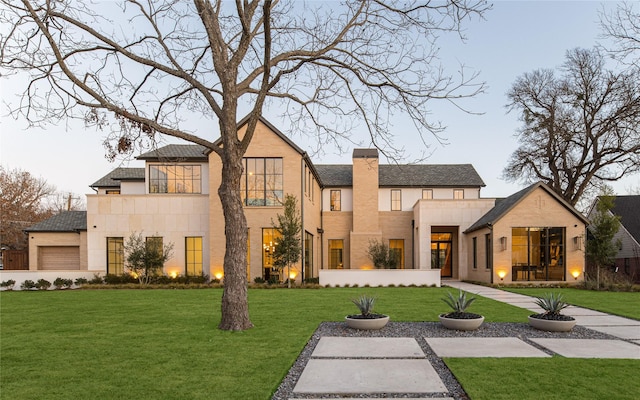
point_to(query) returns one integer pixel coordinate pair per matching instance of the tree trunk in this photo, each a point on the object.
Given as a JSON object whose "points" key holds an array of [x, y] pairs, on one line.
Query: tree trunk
{"points": [[235, 309]]}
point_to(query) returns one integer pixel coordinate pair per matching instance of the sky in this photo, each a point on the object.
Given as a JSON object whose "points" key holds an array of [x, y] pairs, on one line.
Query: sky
{"points": [[515, 37]]}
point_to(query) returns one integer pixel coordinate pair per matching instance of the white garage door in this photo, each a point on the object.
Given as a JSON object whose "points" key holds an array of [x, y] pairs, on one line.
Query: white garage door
{"points": [[59, 257]]}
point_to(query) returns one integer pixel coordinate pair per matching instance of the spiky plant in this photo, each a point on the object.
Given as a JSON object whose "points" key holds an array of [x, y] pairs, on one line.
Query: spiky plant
{"points": [[552, 303], [365, 304], [459, 304]]}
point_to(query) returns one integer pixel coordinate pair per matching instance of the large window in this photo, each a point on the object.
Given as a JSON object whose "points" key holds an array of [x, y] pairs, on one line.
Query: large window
{"points": [[427, 194], [262, 183], [308, 255], [458, 194], [396, 247], [270, 238], [115, 255], [193, 255], [538, 254], [396, 200], [336, 201], [336, 247], [175, 179]]}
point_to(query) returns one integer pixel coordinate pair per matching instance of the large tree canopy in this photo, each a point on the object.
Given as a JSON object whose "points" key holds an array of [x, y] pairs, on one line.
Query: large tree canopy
{"points": [[153, 67], [622, 26], [581, 125]]}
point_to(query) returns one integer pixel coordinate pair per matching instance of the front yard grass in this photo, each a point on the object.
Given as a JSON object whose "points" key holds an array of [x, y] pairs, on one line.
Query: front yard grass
{"points": [[625, 304], [164, 344]]}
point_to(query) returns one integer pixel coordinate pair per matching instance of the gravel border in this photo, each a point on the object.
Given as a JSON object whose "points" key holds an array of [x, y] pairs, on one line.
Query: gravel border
{"points": [[420, 330]]}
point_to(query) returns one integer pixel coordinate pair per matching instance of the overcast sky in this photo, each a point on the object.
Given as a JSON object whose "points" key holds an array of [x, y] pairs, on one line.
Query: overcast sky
{"points": [[515, 38]]}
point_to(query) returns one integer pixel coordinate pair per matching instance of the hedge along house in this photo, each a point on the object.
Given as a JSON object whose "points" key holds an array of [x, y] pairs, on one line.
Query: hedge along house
{"points": [[432, 216]]}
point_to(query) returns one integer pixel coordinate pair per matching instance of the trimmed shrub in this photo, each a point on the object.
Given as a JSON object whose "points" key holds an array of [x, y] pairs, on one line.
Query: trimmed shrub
{"points": [[28, 285], [8, 285], [43, 284], [81, 281], [61, 283]]}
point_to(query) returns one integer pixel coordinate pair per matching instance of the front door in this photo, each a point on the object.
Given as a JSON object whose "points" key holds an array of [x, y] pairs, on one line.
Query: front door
{"points": [[441, 251]]}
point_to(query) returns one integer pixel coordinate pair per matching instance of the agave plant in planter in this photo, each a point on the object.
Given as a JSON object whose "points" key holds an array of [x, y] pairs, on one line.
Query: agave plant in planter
{"points": [[459, 318], [367, 319], [552, 319]]}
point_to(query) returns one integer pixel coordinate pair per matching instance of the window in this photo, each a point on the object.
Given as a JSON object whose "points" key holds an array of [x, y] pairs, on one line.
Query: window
{"points": [[538, 253], [336, 202], [396, 247], [474, 241], [308, 255], [396, 200], [262, 183], [115, 255], [193, 255], [487, 251], [427, 194], [270, 237], [113, 191], [175, 179], [336, 247], [458, 194]]}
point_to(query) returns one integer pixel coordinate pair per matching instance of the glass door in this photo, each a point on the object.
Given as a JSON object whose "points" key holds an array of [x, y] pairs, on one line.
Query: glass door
{"points": [[441, 253]]}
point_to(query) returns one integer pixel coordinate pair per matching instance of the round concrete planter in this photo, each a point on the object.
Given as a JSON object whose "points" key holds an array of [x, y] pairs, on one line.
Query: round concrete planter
{"points": [[461, 324], [551, 325], [367, 324]]}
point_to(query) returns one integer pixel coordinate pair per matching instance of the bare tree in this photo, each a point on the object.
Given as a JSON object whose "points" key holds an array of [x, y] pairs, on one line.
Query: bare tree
{"points": [[622, 25], [153, 66], [23, 199], [580, 128]]}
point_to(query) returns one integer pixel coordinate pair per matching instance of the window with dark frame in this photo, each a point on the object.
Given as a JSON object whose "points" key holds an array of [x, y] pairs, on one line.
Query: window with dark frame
{"points": [[475, 252], [175, 178], [262, 182], [115, 255]]}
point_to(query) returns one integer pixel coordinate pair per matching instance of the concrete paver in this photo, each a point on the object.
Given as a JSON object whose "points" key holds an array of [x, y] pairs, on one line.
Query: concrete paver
{"points": [[623, 332], [483, 347], [590, 348], [330, 376], [573, 311], [605, 320], [373, 347]]}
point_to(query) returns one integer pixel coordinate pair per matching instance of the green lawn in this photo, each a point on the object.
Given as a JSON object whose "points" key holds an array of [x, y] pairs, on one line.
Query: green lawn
{"points": [[626, 304], [163, 344]]}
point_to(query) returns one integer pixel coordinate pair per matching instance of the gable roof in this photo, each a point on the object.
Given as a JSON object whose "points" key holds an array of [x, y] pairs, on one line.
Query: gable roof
{"points": [[395, 175], [628, 209], [113, 178], [66, 221], [177, 153], [503, 206]]}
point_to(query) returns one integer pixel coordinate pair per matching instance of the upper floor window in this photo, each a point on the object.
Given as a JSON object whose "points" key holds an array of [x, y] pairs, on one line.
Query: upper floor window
{"points": [[175, 179], [336, 202], [458, 194], [427, 194], [396, 200], [262, 182]]}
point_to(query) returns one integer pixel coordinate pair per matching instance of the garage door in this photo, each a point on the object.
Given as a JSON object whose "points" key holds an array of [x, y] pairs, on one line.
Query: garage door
{"points": [[58, 257]]}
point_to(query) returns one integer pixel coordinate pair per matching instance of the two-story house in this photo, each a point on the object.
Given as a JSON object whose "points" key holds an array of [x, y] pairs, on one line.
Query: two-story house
{"points": [[432, 216]]}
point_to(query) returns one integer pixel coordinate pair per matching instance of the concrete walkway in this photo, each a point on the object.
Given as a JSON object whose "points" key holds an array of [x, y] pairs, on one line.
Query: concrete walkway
{"points": [[353, 367], [620, 327]]}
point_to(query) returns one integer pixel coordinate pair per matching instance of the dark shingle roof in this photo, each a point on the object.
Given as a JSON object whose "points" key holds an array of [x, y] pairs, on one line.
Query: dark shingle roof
{"points": [[628, 208], [392, 175], [66, 221], [113, 178], [176, 153], [503, 206]]}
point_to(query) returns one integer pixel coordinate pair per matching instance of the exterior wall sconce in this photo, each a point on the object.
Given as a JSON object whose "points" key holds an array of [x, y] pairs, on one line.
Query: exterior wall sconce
{"points": [[503, 243], [502, 273], [577, 242]]}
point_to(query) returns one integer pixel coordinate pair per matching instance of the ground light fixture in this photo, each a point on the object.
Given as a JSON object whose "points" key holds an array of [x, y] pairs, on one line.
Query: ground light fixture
{"points": [[502, 273], [575, 274]]}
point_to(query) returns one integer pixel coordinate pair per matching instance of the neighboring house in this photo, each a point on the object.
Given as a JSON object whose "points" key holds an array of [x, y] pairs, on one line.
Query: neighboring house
{"points": [[432, 216], [628, 256]]}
